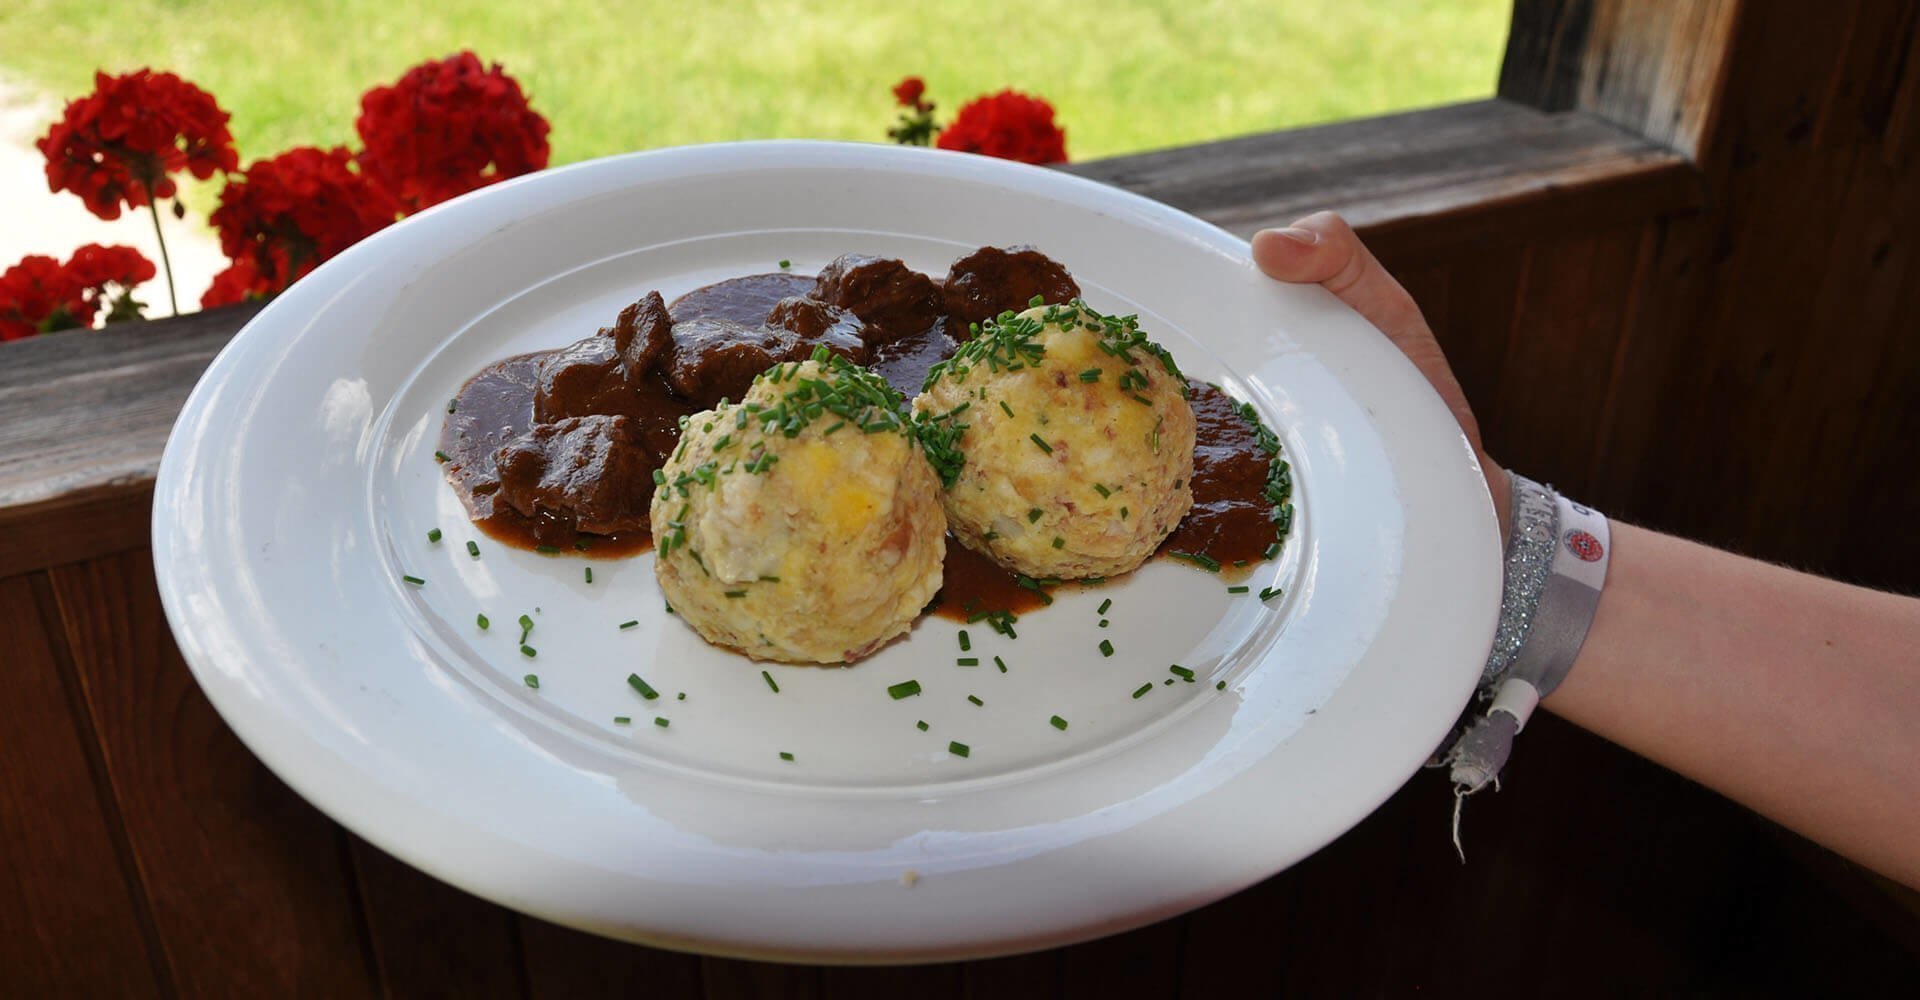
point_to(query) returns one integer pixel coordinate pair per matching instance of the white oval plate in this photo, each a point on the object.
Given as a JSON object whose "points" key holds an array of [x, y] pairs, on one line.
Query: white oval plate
{"points": [[299, 485]]}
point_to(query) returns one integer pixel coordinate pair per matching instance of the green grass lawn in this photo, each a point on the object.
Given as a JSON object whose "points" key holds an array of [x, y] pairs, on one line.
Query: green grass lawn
{"points": [[615, 76]]}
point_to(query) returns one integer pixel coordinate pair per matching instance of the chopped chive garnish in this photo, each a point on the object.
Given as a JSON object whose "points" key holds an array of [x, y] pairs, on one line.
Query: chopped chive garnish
{"points": [[769, 579], [769, 679], [904, 689], [1105, 622], [433, 534], [1143, 689], [441, 456], [1124, 513], [453, 405], [1059, 543], [1238, 590], [416, 581], [1269, 593], [785, 755], [526, 627], [682, 696], [966, 641], [1058, 723], [1002, 664], [547, 550], [622, 720], [1090, 375], [481, 620], [1034, 514], [528, 651], [736, 593], [1222, 686], [1008, 409], [646, 690], [921, 725], [1104, 605], [1044, 446], [1200, 559], [661, 721], [1106, 647], [968, 661], [1181, 672], [786, 263], [975, 700], [629, 623], [1102, 490], [1272, 549], [959, 749], [473, 549], [588, 571], [532, 681]]}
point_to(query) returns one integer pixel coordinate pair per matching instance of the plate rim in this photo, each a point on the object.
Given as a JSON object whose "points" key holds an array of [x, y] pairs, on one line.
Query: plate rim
{"points": [[199, 660]]}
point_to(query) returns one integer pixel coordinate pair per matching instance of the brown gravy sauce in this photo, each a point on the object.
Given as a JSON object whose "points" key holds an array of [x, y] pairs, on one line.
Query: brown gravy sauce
{"points": [[1230, 520]]}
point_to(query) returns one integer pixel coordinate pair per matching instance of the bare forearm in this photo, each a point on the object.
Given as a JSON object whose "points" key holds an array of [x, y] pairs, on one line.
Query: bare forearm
{"points": [[1797, 696]]}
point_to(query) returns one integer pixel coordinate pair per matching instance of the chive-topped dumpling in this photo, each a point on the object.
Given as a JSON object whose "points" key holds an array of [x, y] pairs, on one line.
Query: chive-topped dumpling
{"points": [[1075, 441], [802, 524]]}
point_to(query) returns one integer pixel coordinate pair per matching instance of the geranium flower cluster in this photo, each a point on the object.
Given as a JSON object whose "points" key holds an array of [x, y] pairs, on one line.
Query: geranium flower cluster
{"points": [[1009, 125], [120, 145], [445, 128], [40, 294]]}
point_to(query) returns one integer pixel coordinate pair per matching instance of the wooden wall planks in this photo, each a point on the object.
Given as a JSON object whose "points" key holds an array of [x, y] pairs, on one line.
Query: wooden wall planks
{"points": [[249, 887], [74, 917]]}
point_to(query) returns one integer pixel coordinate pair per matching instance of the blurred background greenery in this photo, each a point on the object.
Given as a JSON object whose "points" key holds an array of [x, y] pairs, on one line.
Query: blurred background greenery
{"points": [[1124, 75]]}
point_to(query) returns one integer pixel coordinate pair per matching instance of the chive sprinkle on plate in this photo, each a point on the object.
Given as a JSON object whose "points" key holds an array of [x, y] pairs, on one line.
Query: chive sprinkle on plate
{"points": [[1181, 672], [959, 749], [629, 623], [1142, 689], [904, 689], [646, 690], [416, 581], [785, 755], [532, 681], [481, 620], [433, 534], [1058, 723], [769, 679], [1106, 647]]}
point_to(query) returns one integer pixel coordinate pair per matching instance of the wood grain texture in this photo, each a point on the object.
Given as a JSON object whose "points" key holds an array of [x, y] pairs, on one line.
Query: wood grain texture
{"points": [[430, 939], [84, 410], [71, 912], [1424, 180], [1654, 67], [565, 963], [248, 884]]}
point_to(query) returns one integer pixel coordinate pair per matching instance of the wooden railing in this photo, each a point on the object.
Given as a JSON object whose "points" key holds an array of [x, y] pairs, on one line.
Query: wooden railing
{"points": [[1675, 265]]}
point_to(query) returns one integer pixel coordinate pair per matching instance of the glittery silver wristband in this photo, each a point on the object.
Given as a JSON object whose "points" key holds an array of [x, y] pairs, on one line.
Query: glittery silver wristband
{"points": [[1530, 544]]}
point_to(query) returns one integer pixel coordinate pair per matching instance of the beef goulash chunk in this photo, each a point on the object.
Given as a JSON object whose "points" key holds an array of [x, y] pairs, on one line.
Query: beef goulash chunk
{"points": [[611, 373], [892, 299], [816, 322], [990, 281], [595, 472]]}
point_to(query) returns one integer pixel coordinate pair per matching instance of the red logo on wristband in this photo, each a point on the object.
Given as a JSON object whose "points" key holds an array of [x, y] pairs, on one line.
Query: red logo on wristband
{"points": [[1584, 546]]}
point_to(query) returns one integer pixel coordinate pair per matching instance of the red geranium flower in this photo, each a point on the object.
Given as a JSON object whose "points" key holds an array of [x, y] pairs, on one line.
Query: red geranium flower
{"points": [[120, 144], [287, 214], [40, 295], [1009, 125], [909, 91], [238, 283], [30, 293], [446, 128]]}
